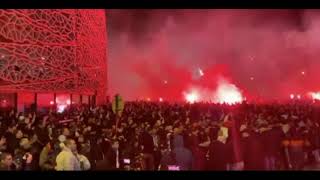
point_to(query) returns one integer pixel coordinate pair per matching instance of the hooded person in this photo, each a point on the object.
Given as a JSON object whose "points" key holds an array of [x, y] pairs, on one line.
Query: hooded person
{"points": [[183, 156]]}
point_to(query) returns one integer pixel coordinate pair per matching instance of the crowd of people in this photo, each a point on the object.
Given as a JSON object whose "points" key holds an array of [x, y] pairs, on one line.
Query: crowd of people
{"points": [[162, 136]]}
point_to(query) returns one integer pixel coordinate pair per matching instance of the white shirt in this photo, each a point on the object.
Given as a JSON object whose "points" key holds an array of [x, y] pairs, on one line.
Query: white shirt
{"points": [[67, 161], [85, 162]]}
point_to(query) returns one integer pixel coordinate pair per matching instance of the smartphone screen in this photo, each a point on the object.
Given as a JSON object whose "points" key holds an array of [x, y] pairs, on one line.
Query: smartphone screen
{"points": [[173, 168], [126, 161]]}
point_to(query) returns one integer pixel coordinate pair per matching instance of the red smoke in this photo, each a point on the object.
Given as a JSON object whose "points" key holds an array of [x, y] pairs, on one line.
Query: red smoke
{"points": [[267, 54]]}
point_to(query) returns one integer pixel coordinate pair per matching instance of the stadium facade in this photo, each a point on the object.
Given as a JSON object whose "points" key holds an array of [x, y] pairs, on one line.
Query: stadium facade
{"points": [[52, 56]]}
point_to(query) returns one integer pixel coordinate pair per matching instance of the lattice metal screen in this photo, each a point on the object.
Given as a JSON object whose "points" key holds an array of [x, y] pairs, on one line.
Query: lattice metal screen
{"points": [[53, 50]]}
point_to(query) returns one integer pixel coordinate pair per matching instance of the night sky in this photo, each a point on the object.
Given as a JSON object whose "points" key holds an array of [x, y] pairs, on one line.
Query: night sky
{"points": [[265, 53]]}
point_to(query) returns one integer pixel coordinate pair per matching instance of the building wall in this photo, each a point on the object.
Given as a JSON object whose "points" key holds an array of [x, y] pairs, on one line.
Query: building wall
{"points": [[54, 51]]}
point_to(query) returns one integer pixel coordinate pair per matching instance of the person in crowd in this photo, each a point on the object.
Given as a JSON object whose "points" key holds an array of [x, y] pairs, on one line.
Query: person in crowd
{"points": [[10, 135], [84, 162], [296, 150], [254, 152], [147, 149], [47, 160], [183, 156], [219, 150], [111, 157], [21, 154], [271, 139], [66, 159], [168, 158], [272, 136], [3, 142], [6, 163], [156, 141]]}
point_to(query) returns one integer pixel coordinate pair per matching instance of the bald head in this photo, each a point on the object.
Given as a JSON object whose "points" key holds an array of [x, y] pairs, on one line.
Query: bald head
{"points": [[71, 144]]}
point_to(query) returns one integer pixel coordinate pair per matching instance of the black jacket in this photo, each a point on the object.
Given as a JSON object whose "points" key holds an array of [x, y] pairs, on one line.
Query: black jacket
{"points": [[12, 142], [218, 152], [146, 141], [109, 159]]}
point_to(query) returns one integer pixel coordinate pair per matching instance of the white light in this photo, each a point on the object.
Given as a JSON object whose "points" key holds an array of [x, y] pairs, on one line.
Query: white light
{"points": [[43, 58], [299, 96], [160, 99], [191, 97], [148, 99], [51, 102], [68, 102], [166, 82], [3, 56], [291, 96], [228, 93], [303, 73], [200, 72], [61, 108], [315, 95], [251, 78]]}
